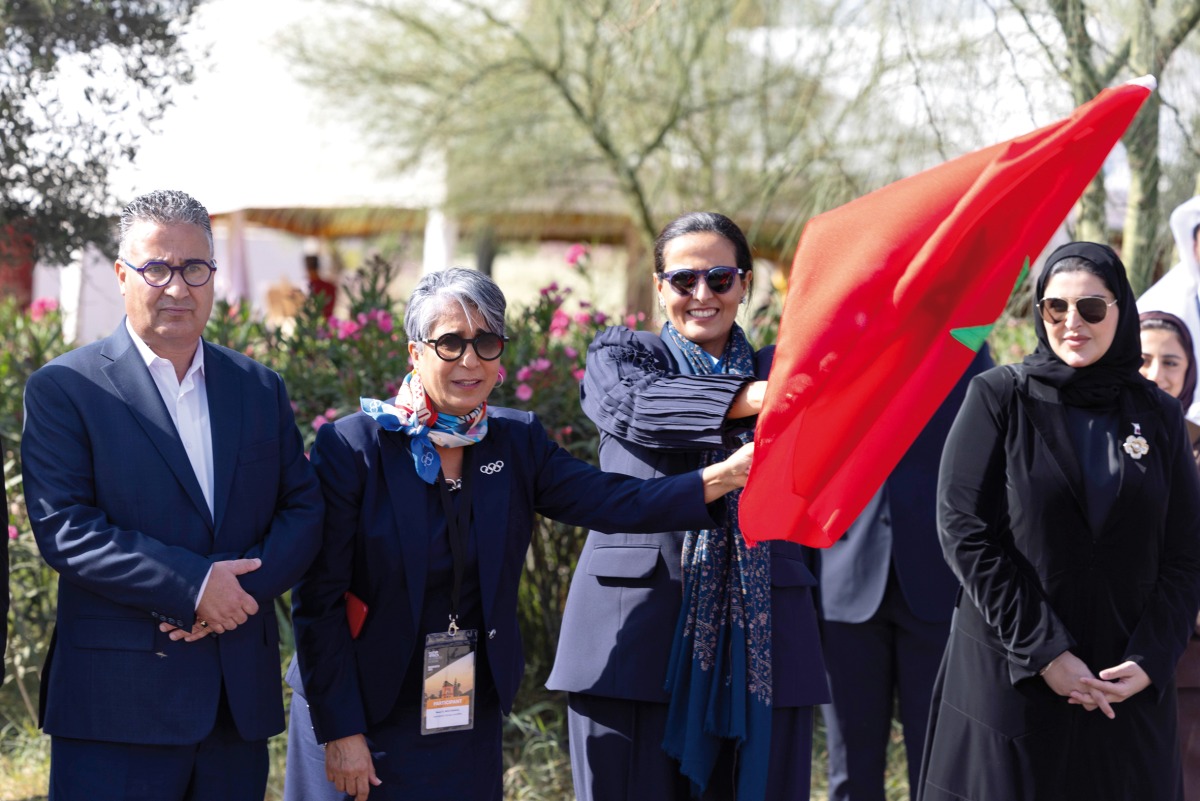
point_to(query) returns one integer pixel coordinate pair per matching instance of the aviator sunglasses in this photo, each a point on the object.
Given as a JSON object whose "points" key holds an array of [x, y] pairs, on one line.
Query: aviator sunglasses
{"points": [[719, 279], [1092, 309], [451, 347]]}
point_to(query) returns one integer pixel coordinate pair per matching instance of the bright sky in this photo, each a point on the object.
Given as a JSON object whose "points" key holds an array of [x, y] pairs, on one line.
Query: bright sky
{"points": [[247, 134]]}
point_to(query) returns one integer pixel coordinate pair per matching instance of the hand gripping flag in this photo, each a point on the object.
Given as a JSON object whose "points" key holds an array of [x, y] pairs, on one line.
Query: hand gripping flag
{"points": [[889, 298]]}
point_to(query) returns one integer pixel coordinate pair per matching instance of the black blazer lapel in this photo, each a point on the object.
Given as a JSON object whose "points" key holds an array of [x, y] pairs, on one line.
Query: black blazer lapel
{"points": [[1133, 471], [223, 413], [1048, 417], [131, 380], [495, 470], [405, 490]]}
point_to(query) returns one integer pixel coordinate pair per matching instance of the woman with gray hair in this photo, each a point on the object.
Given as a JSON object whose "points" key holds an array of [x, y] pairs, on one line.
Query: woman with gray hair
{"points": [[407, 645]]}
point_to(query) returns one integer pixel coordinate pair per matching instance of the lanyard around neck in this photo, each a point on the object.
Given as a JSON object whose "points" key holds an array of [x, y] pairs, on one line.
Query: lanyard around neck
{"points": [[458, 526]]}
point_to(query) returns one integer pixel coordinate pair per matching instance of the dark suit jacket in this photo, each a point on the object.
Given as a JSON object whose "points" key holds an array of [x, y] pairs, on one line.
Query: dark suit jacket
{"points": [[4, 598], [626, 592], [376, 545], [854, 571], [117, 510], [1038, 579]]}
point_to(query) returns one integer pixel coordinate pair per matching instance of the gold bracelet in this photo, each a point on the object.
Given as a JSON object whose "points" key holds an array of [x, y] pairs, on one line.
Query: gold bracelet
{"points": [[1042, 672]]}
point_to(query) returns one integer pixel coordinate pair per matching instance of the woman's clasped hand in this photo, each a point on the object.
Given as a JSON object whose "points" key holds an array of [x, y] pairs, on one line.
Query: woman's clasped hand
{"points": [[1068, 676]]}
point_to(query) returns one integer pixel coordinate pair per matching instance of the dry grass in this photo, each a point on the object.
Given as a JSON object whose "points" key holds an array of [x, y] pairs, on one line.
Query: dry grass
{"points": [[24, 768], [536, 753]]}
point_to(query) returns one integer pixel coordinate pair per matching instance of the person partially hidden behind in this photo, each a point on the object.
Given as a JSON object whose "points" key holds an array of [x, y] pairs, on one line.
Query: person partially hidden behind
{"points": [[167, 484], [318, 286], [887, 596]]}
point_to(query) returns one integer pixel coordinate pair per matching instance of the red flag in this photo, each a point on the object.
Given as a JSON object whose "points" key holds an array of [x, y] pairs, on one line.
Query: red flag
{"points": [[890, 296]]}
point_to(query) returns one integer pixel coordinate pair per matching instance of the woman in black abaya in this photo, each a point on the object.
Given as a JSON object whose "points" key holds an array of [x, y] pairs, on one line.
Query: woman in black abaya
{"points": [[1069, 508]]}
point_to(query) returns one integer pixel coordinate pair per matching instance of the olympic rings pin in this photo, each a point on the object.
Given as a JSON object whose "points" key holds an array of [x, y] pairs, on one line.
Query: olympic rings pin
{"points": [[491, 468]]}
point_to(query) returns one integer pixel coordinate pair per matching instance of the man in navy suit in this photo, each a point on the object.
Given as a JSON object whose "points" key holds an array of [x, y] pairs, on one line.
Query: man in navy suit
{"points": [[167, 484], [886, 600]]}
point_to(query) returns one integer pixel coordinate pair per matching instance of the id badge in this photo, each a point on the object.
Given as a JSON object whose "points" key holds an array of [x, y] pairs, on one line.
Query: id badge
{"points": [[448, 695]]}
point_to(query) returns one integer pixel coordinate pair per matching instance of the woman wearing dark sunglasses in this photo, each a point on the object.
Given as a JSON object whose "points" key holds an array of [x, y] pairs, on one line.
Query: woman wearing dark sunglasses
{"points": [[407, 645], [1069, 508], [691, 660]]}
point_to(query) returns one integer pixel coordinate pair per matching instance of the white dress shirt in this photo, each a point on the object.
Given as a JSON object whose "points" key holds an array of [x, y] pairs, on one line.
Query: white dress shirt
{"points": [[187, 403]]}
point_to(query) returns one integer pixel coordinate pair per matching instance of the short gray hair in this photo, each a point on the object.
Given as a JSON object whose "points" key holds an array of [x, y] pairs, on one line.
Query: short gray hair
{"points": [[164, 207], [473, 290]]}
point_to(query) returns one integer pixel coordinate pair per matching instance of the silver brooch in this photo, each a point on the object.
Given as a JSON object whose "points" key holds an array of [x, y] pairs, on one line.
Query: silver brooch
{"points": [[1135, 444]]}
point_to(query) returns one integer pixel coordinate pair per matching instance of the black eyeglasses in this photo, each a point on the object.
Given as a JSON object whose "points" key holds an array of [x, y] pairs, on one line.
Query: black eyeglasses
{"points": [[451, 347], [719, 279], [195, 272], [1091, 308]]}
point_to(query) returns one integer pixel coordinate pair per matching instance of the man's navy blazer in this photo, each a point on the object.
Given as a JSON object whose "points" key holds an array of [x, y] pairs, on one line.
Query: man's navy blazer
{"points": [[117, 510], [853, 571]]}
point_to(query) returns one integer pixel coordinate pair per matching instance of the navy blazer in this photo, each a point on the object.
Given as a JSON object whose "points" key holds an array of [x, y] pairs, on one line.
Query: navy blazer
{"points": [[626, 593], [854, 570], [4, 597], [117, 510], [376, 545]]}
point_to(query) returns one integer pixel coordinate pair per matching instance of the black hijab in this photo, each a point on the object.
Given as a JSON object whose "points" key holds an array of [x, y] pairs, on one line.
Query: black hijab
{"points": [[1173, 325], [1100, 384]]}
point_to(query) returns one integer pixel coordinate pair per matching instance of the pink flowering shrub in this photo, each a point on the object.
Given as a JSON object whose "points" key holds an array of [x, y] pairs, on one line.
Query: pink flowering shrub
{"points": [[544, 362], [40, 307], [577, 256], [328, 365], [545, 357]]}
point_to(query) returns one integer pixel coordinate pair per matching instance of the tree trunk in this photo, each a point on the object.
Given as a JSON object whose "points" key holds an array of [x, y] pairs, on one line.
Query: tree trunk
{"points": [[485, 250], [1142, 216], [1092, 225], [639, 284]]}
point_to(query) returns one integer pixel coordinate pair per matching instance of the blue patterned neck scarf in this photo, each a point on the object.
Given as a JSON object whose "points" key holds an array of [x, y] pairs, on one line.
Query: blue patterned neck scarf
{"points": [[719, 676], [411, 413]]}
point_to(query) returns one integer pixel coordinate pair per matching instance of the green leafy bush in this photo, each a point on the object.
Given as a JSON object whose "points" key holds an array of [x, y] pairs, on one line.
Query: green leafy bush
{"points": [[32, 337]]}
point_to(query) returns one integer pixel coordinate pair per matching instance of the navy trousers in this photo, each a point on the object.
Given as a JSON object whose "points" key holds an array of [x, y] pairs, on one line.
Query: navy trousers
{"points": [[221, 767], [894, 655], [617, 754]]}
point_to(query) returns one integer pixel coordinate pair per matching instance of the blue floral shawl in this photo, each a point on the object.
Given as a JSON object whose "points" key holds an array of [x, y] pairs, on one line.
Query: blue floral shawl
{"points": [[719, 676]]}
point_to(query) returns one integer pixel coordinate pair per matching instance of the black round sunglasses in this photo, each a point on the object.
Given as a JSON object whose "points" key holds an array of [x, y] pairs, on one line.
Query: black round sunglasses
{"points": [[719, 279], [451, 347]]}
